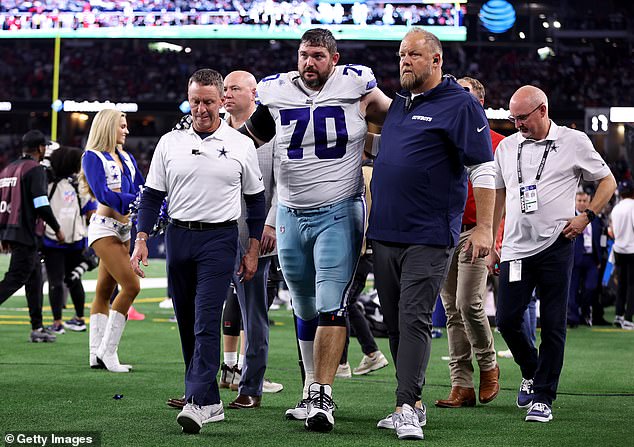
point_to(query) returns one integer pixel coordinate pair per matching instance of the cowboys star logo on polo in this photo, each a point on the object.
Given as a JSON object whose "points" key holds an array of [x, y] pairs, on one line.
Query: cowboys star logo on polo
{"points": [[222, 152]]}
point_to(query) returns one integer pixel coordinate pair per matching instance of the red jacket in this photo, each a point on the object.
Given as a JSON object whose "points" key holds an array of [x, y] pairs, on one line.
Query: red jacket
{"points": [[469, 217]]}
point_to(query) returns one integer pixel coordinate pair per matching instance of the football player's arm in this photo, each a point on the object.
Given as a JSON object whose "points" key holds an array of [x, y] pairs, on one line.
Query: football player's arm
{"points": [[376, 105], [260, 126]]}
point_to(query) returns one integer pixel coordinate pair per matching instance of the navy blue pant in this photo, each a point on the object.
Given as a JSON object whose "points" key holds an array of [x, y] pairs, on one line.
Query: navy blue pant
{"points": [[549, 271], [583, 288], [199, 269], [254, 307], [624, 305]]}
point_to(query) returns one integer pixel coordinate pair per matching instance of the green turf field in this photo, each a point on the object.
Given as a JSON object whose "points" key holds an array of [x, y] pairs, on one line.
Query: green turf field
{"points": [[49, 387]]}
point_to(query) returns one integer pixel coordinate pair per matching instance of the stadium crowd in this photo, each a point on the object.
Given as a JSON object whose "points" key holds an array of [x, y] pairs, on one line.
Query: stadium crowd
{"points": [[85, 14], [574, 79]]}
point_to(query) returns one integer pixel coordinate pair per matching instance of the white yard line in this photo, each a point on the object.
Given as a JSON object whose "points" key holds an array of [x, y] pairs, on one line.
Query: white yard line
{"points": [[90, 284]]}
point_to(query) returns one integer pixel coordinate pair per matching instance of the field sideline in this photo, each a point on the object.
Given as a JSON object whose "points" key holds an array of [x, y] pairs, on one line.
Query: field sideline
{"points": [[50, 388]]}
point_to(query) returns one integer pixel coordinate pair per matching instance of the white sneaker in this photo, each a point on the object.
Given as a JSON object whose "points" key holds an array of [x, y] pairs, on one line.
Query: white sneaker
{"points": [[406, 424], [193, 416], [387, 423], [621, 322], [271, 387], [320, 408], [507, 354], [369, 364], [344, 371], [166, 304], [298, 412]]}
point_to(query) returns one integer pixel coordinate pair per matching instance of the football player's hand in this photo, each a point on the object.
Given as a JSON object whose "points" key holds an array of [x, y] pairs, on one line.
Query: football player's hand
{"points": [[268, 241]]}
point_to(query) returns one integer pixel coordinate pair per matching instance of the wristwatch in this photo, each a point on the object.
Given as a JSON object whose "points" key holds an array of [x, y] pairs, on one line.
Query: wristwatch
{"points": [[591, 215]]}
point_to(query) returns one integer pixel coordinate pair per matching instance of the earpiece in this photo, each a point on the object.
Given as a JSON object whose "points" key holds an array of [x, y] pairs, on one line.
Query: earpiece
{"points": [[436, 60]]}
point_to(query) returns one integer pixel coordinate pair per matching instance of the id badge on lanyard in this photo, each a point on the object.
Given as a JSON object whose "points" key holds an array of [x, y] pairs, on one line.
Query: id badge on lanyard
{"points": [[528, 198], [528, 193], [515, 271]]}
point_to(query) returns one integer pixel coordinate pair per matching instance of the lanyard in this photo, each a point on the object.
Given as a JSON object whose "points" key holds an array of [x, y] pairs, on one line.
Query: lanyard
{"points": [[541, 164]]}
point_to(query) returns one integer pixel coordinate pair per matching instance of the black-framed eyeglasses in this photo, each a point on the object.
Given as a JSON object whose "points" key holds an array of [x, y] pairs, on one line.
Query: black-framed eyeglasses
{"points": [[524, 117]]}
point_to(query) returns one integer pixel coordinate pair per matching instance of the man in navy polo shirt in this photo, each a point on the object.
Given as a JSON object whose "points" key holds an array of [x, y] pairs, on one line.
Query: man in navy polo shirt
{"points": [[435, 132]]}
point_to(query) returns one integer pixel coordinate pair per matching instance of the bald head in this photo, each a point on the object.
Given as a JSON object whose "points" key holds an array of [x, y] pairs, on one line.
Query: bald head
{"points": [[239, 89], [530, 95], [241, 77], [529, 107]]}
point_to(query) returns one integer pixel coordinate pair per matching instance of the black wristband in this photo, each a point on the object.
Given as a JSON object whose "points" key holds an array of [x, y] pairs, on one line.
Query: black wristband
{"points": [[591, 215]]}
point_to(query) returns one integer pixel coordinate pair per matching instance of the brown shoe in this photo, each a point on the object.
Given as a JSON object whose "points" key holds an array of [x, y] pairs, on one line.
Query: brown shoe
{"points": [[489, 384], [177, 403], [226, 376], [460, 396], [244, 401]]}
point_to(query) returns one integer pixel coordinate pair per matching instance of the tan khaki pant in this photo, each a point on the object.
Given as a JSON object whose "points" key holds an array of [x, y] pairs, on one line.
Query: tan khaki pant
{"points": [[467, 324]]}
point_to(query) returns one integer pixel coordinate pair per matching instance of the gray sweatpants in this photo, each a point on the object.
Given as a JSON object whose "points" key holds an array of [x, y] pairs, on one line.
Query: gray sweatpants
{"points": [[408, 280]]}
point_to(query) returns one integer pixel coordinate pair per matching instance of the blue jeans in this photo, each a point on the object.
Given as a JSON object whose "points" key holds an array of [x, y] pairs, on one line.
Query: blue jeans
{"points": [[254, 307]]}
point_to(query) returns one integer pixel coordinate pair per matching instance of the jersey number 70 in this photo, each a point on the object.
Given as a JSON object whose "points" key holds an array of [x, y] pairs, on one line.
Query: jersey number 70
{"points": [[320, 115]]}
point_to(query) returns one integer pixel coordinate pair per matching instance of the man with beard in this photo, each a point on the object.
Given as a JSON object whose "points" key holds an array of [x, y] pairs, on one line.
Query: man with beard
{"points": [[318, 117], [434, 134]]}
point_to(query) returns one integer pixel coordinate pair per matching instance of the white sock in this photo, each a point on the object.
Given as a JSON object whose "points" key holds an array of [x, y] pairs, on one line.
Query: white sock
{"points": [[306, 347], [231, 358], [240, 361]]}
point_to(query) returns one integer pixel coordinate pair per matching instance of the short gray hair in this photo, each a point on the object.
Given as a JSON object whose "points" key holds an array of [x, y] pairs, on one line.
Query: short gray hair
{"points": [[207, 76]]}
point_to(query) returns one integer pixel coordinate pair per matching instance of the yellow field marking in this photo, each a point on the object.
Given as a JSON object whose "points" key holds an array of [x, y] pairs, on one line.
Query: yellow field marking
{"points": [[611, 330], [162, 320]]}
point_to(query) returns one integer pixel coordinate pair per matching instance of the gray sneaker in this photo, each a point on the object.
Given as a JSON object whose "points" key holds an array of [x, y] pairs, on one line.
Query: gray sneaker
{"points": [[41, 335], [369, 364], [194, 416], [406, 424], [388, 423]]}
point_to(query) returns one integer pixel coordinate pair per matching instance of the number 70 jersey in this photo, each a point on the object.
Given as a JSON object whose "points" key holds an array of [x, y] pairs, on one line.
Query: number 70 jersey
{"points": [[320, 136]]}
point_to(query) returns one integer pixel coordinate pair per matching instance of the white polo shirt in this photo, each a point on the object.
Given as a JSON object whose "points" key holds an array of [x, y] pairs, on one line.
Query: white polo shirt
{"points": [[570, 158], [206, 187], [623, 226]]}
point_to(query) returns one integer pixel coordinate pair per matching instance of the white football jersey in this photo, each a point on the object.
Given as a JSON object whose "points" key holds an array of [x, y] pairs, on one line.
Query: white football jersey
{"points": [[319, 135]]}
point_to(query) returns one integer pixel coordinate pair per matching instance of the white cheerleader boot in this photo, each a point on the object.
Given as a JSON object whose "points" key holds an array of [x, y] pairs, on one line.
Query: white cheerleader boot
{"points": [[96, 330], [107, 352]]}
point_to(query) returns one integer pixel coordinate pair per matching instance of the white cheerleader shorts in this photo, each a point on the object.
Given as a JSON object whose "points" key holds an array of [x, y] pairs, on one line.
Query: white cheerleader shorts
{"points": [[102, 226]]}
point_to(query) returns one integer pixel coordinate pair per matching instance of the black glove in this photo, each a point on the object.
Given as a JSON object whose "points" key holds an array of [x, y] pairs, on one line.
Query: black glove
{"points": [[184, 123]]}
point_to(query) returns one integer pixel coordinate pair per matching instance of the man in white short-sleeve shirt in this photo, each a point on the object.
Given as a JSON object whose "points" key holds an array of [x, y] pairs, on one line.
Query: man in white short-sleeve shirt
{"points": [[537, 173], [203, 170]]}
